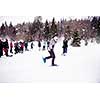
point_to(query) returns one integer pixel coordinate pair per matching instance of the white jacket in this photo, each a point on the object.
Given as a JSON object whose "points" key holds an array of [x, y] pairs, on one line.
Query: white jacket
{"points": [[52, 43]]}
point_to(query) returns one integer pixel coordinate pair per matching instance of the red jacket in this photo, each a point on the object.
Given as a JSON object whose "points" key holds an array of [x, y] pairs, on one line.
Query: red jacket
{"points": [[22, 45], [11, 45]]}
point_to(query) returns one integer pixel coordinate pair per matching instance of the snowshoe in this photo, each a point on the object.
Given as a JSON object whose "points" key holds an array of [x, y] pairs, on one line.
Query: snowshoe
{"points": [[54, 65], [44, 60]]}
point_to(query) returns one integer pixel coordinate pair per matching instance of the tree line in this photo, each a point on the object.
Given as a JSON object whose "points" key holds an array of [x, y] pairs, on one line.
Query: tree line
{"points": [[87, 28]]}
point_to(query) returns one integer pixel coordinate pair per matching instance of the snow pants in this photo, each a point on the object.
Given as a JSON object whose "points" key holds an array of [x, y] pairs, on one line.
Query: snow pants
{"points": [[52, 55], [64, 50]]}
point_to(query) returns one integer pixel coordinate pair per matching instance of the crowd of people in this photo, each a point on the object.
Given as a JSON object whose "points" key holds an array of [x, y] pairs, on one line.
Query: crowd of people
{"points": [[8, 48], [13, 47]]}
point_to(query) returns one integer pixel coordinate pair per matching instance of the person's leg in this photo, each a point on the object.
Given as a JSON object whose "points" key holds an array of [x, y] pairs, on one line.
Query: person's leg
{"points": [[63, 50], [66, 50], [6, 52], [44, 59], [17, 50], [10, 50], [53, 57], [48, 57], [22, 50]]}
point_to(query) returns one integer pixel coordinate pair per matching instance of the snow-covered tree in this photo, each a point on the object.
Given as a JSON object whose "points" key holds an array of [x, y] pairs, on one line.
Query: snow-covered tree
{"points": [[53, 28], [76, 39], [46, 29]]}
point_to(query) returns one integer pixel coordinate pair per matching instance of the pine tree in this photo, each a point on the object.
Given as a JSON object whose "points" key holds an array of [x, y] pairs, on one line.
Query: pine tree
{"points": [[31, 29], [97, 30], [36, 27], [68, 31], [76, 39], [59, 28], [94, 22], [11, 29], [46, 29], [3, 29], [10, 26], [98, 27], [53, 29], [6, 28]]}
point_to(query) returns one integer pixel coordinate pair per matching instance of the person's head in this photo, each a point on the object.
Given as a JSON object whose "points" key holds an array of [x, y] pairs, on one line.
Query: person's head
{"points": [[6, 40]]}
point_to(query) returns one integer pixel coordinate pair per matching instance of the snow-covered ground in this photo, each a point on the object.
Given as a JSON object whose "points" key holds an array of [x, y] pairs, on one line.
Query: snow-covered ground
{"points": [[81, 64]]}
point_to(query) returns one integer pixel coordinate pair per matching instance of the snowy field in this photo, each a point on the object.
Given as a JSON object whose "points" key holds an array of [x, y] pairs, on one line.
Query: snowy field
{"points": [[81, 64]]}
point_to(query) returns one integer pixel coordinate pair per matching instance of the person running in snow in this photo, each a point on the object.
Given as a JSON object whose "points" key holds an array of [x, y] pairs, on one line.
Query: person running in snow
{"points": [[51, 52], [65, 46]]}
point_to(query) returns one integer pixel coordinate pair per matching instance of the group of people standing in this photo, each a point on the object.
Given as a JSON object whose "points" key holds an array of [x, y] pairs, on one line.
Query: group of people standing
{"points": [[18, 47]]}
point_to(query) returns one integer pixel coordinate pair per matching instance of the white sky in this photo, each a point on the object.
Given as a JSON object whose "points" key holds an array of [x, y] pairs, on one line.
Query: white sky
{"points": [[45, 8]]}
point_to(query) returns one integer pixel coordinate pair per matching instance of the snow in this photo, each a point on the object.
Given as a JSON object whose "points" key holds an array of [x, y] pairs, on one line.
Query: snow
{"points": [[81, 64]]}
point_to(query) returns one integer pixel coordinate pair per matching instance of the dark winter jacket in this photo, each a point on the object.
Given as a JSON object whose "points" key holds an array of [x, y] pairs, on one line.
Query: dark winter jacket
{"points": [[65, 43], [6, 45], [26, 44], [1, 44], [22, 45]]}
